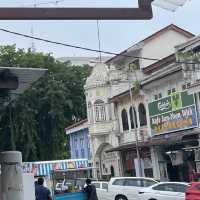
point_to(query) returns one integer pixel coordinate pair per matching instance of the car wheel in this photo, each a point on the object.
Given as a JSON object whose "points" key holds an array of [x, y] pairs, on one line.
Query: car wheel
{"points": [[120, 197]]}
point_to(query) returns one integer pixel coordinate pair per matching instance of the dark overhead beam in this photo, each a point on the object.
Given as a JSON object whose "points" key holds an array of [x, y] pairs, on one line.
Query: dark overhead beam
{"points": [[144, 11]]}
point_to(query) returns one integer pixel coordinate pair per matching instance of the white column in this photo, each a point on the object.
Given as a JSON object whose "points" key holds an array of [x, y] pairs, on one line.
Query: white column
{"points": [[154, 159], [11, 176]]}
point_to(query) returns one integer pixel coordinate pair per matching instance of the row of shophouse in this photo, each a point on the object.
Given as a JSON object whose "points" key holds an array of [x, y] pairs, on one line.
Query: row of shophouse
{"points": [[150, 92]]}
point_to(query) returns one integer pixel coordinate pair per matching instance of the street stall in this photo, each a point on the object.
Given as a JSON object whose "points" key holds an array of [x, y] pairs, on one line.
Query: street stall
{"points": [[69, 184], [65, 178]]}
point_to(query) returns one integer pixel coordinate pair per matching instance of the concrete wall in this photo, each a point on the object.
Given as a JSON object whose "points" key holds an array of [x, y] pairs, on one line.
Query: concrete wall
{"points": [[29, 187]]}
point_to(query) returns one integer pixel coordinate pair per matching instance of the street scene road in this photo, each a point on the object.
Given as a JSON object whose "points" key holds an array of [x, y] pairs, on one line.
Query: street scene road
{"points": [[99, 100]]}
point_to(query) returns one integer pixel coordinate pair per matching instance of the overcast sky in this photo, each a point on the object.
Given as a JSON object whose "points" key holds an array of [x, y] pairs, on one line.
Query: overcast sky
{"points": [[115, 35]]}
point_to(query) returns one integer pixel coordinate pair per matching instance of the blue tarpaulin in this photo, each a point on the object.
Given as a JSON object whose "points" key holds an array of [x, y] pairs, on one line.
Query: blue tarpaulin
{"points": [[71, 196]]}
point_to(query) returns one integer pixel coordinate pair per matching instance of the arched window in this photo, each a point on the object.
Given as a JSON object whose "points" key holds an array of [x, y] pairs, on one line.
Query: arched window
{"points": [[124, 117], [142, 115], [133, 118], [90, 113], [100, 111]]}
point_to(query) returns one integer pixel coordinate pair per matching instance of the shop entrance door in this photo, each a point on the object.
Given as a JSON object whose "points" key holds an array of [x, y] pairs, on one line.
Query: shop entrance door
{"points": [[173, 172]]}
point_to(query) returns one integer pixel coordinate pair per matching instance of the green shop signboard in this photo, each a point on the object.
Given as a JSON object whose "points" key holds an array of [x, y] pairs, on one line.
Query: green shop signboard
{"points": [[173, 113]]}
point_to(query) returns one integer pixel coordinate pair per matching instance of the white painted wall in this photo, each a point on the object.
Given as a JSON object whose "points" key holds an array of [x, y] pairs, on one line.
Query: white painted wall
{"points": [[28, 185], [161, 46], [163, 85]]}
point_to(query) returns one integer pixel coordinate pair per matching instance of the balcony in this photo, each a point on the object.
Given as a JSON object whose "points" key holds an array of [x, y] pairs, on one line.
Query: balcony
{"points": [[130, 136], [103, 127]]}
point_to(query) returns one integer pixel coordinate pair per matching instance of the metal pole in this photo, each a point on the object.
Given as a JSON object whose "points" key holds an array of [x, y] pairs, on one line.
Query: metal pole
{"points": [[99, 40], [11, 176], [134, 120]]}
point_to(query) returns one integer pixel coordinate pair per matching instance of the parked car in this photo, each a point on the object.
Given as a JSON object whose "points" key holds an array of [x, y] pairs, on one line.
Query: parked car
{"points": [[164, 191], [102, 189], [101, 185], [127, 188], [193, 191]]}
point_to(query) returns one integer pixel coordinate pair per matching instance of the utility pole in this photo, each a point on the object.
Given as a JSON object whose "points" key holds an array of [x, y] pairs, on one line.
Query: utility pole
{"points": [[99, 40], [134, 121]]}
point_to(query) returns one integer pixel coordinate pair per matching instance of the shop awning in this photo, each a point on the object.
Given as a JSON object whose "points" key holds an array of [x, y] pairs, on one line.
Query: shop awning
{"points": [[44, 168], [172, 138], [164, 139], [129, 146]]}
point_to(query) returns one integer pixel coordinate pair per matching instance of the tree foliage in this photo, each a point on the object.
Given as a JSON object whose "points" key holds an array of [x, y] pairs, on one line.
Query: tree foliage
{"points": [[34, 124]]}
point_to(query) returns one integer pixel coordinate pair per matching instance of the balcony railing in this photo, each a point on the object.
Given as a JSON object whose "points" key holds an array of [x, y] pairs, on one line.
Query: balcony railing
{"points": [[103, 127], [130, 136]]}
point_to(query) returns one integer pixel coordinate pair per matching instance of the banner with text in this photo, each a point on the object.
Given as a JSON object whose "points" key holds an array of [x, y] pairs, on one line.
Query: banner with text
{"points": [[173, 113]]}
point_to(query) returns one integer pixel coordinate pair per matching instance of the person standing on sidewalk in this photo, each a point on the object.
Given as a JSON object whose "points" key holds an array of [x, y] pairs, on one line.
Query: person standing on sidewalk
{"points": [[90, 190], [41, 192]]}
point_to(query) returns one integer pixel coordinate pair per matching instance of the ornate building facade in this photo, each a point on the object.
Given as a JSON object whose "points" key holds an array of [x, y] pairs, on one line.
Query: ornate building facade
{"points": [[116, 120]]}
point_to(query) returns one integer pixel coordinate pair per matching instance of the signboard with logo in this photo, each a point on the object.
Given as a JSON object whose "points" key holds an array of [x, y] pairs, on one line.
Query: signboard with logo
{"points": [[173, 113]]}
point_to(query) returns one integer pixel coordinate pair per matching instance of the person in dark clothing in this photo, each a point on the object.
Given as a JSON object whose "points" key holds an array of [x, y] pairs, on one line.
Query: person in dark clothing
{"points": [[90, 190], [41, 192]]}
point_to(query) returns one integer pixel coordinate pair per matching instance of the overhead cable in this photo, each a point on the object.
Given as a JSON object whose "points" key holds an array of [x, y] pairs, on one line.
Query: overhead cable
{"points": [[123, 54], [74, 46]]}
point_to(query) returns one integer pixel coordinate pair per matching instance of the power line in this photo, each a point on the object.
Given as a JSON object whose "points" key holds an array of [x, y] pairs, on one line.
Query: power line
{"points": [[74, 46], [89, 49]]}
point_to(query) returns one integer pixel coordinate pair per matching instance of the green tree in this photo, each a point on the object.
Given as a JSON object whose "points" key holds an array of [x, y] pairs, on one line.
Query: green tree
{"points": [[34, 124]]}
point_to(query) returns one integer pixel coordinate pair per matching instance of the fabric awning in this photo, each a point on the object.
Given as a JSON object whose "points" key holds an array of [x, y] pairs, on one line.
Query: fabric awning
{"points": [[46, 167]]}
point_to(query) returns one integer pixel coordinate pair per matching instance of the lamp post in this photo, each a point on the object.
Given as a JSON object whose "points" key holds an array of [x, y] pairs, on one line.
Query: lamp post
{"points": [[134, 121]]}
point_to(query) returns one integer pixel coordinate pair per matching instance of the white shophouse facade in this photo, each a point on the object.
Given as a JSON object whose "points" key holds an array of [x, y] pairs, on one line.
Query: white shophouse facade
{"points": [[111, 122], [175, 154]]}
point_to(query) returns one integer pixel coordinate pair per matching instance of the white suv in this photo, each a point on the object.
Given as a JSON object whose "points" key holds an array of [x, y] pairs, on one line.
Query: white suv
{"points": [[102, 189], [127, 188]]}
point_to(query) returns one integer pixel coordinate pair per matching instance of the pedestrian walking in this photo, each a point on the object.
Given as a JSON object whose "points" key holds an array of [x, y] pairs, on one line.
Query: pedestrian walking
{"points": [[90, 190], [41, 192]]}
